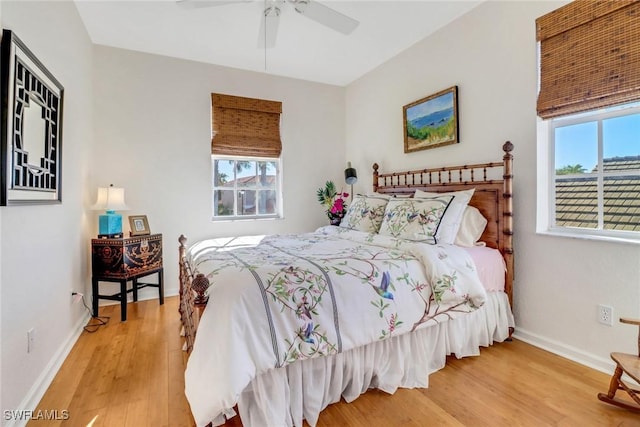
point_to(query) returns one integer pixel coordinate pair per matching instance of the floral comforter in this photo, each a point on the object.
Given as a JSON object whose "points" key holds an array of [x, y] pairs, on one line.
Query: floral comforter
{"points": [[293, 297]]}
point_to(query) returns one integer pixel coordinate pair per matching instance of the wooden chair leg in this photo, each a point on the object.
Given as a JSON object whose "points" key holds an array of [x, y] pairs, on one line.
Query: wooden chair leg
{"points": [[615, 385], [628, 364]]}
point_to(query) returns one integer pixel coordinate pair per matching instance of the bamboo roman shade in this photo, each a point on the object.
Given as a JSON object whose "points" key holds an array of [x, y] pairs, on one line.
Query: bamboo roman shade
{"points": [[245, 127], [589, 56]]}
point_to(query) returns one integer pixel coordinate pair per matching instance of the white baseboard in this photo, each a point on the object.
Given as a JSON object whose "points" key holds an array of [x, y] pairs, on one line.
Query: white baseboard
{"points": [[42, 383], [568, 352]]}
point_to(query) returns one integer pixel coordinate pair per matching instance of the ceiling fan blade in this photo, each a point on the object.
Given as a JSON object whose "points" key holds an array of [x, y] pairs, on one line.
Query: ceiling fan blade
{"points": [[325, 15], [197, 4], [269, 28]]}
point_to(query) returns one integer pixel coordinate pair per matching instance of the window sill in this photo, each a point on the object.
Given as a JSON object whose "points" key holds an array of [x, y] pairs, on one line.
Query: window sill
{"points": [[584, 235]]}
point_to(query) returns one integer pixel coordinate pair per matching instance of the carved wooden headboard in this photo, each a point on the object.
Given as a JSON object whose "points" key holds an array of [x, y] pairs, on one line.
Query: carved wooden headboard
{"points": [[493, 183]]}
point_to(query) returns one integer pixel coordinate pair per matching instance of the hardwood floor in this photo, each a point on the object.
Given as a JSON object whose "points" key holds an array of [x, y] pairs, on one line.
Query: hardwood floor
{"points": [[131, 374]]}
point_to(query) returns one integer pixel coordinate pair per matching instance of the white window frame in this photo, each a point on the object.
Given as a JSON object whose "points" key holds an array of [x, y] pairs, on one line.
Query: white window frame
{"points": [[546, 172], [279, 211]]}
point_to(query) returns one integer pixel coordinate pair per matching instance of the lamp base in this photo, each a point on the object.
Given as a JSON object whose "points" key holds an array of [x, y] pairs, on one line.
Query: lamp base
{"points": [[110, 225], [110, 236]]}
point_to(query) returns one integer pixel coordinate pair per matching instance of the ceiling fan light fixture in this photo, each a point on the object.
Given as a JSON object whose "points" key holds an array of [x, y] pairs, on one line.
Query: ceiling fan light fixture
{"points": [[300, 5], [272, 8], [269, 25], [272, 11]]}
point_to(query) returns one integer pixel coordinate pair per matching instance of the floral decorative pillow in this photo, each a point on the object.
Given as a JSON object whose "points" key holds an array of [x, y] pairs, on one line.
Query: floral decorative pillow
{"points": [[414, 219], [365, 213], [453, 218]]}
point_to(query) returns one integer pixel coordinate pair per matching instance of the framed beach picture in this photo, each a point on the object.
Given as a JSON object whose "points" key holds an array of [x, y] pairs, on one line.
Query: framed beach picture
{"points": [[432, 121]]}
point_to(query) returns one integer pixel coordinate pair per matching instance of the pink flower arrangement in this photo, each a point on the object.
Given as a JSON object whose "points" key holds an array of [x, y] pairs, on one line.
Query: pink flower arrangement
{"points": [[333, 202], [339, 206]]}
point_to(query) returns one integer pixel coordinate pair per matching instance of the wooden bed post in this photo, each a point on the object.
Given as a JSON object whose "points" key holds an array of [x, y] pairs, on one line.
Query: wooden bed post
{"points": [[182, 253], [189, 313], [192, 299], [375, 177], [508, 217]]}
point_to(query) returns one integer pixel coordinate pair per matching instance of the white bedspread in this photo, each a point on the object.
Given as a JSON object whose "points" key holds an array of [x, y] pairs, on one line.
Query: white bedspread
{"points": [[293, 298], [301, 390]]}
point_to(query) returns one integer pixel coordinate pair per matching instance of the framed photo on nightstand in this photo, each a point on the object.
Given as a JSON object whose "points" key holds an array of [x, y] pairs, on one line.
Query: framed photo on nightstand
{"points": [[139, 225]]}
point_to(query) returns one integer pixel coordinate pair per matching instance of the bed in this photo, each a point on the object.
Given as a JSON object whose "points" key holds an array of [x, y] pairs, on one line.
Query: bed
{"points": [[293, 323]]}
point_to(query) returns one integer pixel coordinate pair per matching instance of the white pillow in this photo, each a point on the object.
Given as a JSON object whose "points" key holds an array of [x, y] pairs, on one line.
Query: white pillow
{"points": [[453, 216], [472, 227], [414, 219]]}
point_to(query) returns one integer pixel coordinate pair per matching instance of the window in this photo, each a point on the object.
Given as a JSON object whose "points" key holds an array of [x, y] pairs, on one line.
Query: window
{"points": [[589, 127], [245, 187], [595, 172], [245, 157]]}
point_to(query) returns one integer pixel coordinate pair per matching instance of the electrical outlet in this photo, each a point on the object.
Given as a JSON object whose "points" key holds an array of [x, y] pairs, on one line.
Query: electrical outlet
{"points": [[31, 340], [76, 297], [605, 314]]}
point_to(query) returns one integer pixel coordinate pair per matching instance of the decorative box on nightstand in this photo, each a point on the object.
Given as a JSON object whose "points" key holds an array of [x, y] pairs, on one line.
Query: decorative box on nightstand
{"points": [[123, 260]]}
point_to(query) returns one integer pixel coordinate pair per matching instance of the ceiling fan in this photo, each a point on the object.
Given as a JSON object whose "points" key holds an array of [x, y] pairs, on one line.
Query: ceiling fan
{"points": [[313, 10]]}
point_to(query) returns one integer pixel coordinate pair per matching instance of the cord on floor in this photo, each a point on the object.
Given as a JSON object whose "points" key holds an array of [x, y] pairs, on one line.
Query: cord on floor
{"points": [[100, 320]]}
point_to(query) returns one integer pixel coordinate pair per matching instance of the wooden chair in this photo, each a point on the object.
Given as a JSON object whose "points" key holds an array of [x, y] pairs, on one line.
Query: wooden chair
{"points": [[628, 364]]}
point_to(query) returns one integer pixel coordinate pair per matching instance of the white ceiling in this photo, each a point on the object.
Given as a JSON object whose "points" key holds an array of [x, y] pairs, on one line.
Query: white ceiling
{"points": [[228, 34]]}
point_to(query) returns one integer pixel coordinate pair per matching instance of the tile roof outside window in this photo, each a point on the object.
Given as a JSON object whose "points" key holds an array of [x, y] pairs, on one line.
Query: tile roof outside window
{"points": [[576, 198]]}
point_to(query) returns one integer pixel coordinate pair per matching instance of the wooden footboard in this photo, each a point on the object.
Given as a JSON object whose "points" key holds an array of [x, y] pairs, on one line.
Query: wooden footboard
{"points": [[190, 309]]}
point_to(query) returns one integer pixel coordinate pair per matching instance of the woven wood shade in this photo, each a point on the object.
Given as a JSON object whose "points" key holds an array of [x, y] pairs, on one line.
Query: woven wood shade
{"points": [[245, 127], [589, 56]]}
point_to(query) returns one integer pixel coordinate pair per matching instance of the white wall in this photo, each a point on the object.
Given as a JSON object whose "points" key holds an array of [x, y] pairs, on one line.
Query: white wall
{"points": [[44, 248], [153, 132], [490, 53]]}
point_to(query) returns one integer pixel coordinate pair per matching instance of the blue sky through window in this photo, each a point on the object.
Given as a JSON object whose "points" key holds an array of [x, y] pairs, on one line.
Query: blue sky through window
{"points": [[578, 144]]}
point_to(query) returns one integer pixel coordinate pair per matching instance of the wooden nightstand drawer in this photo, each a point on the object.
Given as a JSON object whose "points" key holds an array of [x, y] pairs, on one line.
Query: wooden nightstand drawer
{"points": [[123, 258]]}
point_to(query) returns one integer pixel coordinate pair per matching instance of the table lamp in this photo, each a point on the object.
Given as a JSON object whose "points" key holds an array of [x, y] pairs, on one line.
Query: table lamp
{"points": [[110, 199]]}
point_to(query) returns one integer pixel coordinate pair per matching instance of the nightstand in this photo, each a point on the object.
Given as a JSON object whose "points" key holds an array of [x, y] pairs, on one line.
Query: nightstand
{"points": [[123, 260]]}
